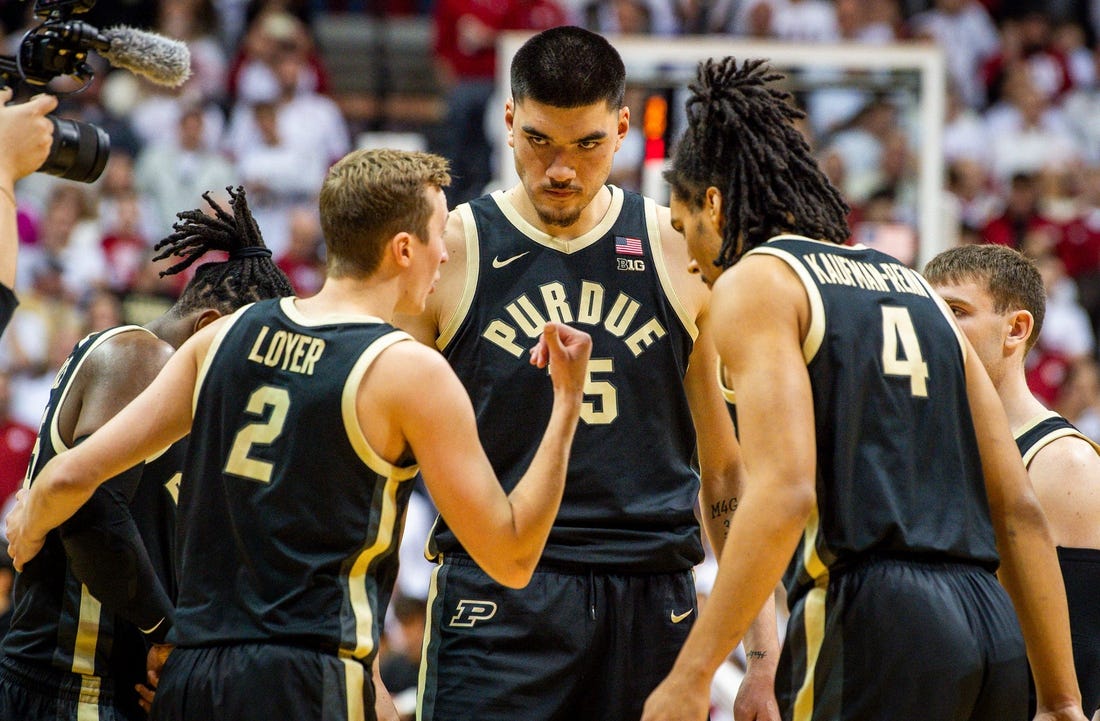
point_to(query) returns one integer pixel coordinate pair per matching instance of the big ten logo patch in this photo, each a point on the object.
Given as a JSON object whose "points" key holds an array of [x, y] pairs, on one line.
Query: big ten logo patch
{"points": [[467, 613], [630, 264]]}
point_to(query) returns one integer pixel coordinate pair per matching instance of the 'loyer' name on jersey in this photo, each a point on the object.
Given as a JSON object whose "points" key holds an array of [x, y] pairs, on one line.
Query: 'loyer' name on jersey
{"points": [[294, 352], [618, 321], [838, 270]]}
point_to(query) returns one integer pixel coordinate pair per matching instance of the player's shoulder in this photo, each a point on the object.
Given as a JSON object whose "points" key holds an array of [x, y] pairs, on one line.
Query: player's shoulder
{"points": [[1065, 454], [129, 348]]}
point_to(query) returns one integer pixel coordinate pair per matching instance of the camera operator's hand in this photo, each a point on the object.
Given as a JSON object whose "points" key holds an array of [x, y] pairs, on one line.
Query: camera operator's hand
{"points": [[25, 136]]}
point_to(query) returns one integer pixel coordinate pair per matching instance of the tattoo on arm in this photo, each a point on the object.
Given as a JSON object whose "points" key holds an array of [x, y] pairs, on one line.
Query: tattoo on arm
{"points": [[724, 509], [756, 654]]}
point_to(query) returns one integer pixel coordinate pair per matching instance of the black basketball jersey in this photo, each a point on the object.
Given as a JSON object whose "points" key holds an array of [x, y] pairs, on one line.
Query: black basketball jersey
{"points": [[289, 520], [56, 621], [898, 471], [630, 489], [1080, 566]]}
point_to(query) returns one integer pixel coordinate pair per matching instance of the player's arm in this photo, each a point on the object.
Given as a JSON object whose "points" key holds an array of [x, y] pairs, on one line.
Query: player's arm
{"points": [[384, 709], [440, 305], [1029, 566], [1066, 478], [721, 478], [763, 300], [721, 473], [158, 417], [505, 534], [105, 549]]}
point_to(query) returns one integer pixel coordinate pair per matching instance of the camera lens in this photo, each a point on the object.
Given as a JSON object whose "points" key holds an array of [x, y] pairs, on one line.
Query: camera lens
{"points": [[79, 151]]}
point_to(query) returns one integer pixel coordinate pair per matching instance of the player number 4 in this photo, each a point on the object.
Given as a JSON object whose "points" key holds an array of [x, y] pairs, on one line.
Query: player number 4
{"points": [[897, 326]]}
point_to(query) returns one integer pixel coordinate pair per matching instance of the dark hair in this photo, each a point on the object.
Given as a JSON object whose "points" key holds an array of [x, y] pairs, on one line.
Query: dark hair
{"points": [[741, 139], [1009, 277], [568, 67], [371, 195], [248, 275]]}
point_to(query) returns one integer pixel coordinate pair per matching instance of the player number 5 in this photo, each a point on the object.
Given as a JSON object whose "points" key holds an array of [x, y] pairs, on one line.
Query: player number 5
{"points": [[600, 405]]}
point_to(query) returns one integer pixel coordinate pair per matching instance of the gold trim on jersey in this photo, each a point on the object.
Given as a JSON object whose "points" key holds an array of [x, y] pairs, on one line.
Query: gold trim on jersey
{"points": [[357, 574], [653, 229], [422, 676], [814, 628], [55, 431], [354, 674], [1049, 438], [565, 246], [87, 705], [813, 615], [212, 351], [389, 518], [448, 329], [87, 633], [350, 413], [815, 335], [728, 393], [946, 310], [290, 310]]}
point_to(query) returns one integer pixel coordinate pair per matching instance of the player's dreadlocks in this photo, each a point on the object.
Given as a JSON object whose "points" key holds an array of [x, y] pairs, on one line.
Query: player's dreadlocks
{"points": [[741, 139], [248, 275]]}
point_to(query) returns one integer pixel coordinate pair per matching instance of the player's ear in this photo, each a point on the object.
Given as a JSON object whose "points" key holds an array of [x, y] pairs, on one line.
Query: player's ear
{"points": [[713, 203], [624, 125], [205, 318], [509, 119], [1021, 326], [401, 248]]}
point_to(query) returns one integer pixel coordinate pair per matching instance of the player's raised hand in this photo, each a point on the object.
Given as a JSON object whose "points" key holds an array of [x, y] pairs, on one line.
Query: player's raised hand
{"points": [[566, 350]]}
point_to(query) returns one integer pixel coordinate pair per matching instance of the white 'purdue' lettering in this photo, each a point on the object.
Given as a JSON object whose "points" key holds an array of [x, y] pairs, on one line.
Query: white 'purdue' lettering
{"points": [[528, 319]]}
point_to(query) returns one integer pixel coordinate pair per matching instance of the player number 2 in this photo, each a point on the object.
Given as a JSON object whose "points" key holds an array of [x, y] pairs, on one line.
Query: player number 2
{"points": [[898, 325], [603, 407], [261, 432]]}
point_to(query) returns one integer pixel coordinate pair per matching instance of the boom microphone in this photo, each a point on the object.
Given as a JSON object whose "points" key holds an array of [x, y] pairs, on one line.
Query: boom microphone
{"points": [[162, 60]]}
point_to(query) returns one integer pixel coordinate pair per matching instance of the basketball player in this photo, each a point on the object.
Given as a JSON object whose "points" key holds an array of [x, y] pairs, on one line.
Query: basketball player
{"points": [[999, 302], [615, 584], [100, 591], [880, 471], [310, 417]]}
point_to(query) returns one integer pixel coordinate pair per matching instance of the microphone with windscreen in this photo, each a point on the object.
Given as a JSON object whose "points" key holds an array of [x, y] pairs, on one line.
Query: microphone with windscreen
{"points": [[60, 47], [161, 60]]}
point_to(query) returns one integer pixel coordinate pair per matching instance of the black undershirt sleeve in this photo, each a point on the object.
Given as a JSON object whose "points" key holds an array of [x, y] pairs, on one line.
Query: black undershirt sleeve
{"points": [[107, 555]]}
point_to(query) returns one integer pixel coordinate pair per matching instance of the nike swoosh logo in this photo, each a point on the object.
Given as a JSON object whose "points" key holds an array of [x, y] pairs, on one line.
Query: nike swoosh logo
{"points": [[498, 263], [677, 617]]}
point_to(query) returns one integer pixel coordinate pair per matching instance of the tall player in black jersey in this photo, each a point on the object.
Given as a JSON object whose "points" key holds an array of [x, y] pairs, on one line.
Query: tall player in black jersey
{"points": [[615, 585], [880, 469], [998, 299], [310, 417], [103, 588]]}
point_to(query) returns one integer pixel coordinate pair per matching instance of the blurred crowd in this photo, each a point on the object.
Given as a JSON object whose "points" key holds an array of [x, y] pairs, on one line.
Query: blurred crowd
{"points": [[1021, 147]]}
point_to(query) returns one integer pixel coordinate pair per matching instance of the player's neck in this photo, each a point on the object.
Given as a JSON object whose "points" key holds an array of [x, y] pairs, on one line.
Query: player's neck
{"points": [[592, 214], [352, 296], [1019, 403]]}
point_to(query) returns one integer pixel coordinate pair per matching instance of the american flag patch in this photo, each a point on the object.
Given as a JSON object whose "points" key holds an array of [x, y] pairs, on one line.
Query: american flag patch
{"points": [[628, 246]]}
